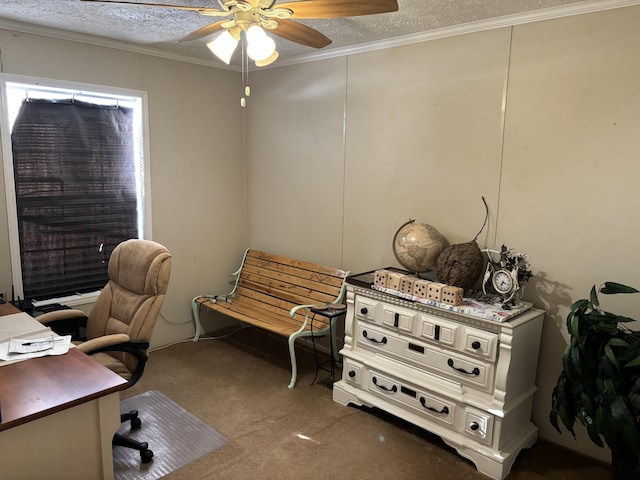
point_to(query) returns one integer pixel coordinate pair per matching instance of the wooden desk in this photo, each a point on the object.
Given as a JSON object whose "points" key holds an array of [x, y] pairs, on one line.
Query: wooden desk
{"points": [[59, 414], [7, 309]]}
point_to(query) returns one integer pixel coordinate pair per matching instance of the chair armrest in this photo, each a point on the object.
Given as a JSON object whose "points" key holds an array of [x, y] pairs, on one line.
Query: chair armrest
{"points": [[57, 315], [119, 342], [102, 343], [65, 322]]}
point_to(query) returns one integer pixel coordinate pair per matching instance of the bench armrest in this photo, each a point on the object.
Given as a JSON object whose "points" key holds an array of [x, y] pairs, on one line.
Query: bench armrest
{"points": [[294, 311]]}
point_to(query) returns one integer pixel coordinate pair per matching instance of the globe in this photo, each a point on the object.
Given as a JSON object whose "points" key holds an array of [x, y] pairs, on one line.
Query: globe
{"points": [[416, 246]]}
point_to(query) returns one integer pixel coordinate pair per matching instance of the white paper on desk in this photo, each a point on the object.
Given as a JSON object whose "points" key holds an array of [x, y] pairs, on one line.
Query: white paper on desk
{"points": [[59, 346], [20, 325], [33, 345]]}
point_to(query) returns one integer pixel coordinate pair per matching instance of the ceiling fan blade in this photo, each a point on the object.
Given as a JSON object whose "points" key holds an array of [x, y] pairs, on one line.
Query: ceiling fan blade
{"points": [[299, 33], [204, 31], [338, 8], [202, 10]]}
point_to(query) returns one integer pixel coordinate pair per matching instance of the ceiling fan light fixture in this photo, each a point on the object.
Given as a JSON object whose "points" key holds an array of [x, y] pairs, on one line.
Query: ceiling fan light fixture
{"points": [[223, 46], [260, 45], [269, 60], [255, 33]]}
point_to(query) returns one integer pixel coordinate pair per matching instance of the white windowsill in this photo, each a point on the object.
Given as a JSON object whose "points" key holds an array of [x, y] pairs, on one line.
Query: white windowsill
{"points": [[71, 300]]}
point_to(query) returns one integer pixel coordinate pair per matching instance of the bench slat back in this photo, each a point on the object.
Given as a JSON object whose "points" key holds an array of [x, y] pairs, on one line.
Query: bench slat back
{"points": [[278, 283]]}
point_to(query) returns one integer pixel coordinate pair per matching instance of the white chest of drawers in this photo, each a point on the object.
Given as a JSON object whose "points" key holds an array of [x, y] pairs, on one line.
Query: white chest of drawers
{"points": [[469, 380]]}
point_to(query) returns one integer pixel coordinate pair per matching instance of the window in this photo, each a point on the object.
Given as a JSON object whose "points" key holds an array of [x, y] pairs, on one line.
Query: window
{"points": [[75, 182]]}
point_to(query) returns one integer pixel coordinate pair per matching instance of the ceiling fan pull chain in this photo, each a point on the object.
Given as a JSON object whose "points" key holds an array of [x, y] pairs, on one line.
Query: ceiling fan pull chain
{"points": [[247, 88], [245, 73]]}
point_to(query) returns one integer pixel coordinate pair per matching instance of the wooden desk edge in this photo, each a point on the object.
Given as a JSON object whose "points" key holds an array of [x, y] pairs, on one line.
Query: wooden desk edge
{"points": [[114, 384]]}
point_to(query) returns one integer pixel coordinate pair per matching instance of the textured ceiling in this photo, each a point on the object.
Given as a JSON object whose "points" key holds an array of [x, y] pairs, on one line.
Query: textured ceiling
{"points": [[161, 29]]}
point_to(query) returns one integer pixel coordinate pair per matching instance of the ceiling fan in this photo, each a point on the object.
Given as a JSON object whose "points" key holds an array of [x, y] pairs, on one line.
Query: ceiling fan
{"points": [[252, 16]]}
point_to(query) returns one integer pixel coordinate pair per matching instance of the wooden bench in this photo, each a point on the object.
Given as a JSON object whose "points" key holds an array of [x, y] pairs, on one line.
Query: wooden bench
{"points": [[275, 293]]}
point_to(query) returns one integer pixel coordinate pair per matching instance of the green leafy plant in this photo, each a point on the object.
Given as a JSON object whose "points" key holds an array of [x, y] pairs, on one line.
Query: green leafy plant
{"points": [[599, 385]]}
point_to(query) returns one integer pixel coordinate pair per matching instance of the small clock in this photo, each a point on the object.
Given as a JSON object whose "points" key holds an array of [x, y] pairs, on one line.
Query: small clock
{"points": [[502, 281], [506, 275]]}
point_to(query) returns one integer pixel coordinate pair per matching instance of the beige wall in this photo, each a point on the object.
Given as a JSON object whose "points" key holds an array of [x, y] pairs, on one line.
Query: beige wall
{"points": [[295, 149], [541, 119], [196, 160]]}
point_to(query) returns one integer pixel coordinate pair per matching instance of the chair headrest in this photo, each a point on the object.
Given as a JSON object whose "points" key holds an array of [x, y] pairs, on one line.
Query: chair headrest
{"points": [[141, 266]]}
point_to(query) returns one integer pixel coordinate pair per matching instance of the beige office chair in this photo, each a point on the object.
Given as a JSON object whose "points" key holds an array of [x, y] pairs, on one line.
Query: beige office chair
{"points": [[120, 324]]}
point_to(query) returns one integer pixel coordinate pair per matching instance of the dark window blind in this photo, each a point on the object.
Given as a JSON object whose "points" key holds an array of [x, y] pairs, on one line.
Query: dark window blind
{"points": [[76, 197]]}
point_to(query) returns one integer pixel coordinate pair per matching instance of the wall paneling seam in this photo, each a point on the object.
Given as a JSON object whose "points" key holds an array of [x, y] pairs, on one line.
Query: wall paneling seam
{"points": [[503, 115]]}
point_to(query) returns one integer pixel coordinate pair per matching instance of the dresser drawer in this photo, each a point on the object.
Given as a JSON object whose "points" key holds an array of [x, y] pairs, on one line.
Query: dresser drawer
{"points": [[391, 316], [467, 370], [471, 422], [398, 318], [366, 309], [469, 340], [478, 425], [352, 372], [432, 328], [426, 404], [479, 343], [438, 330]]}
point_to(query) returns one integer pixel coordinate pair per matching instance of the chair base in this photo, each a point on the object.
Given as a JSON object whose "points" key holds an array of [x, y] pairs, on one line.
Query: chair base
{"points": [[120, 440]]}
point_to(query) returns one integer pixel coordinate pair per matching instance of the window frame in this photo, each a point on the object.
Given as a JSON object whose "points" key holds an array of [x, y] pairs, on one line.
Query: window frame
{"points": [[79, 89]]}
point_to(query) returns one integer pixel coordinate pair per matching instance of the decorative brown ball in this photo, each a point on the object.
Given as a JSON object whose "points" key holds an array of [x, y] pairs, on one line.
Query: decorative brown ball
{"points": [[460, 265]]}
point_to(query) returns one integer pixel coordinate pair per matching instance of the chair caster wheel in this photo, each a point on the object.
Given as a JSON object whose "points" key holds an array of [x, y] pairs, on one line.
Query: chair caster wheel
{"points": [[146, 456], [136, 422]]}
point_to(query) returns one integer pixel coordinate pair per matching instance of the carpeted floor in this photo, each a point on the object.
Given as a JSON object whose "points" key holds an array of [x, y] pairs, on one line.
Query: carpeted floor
{"points": [[177, 438], [238, 385]]}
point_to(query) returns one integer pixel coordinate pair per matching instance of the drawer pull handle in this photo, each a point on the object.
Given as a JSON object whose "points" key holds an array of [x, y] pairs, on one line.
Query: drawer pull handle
{"points": [[475, 371], [374, 340], [396, 319], [475, 345], [393, 389], [444, 410], [364, 310], [352, 373], [474, 426]]}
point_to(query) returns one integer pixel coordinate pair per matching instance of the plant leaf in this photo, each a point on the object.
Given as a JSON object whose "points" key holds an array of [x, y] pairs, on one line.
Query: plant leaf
{"points": [[561, 407], [633, 363], [610, 288], [593, 297], [579, 304], [592, 430], [575, 326], [609, 353]]}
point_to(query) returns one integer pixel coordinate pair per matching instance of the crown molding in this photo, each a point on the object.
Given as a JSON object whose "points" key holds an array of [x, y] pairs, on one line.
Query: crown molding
{"points": [[104, 42], [472, 27]]}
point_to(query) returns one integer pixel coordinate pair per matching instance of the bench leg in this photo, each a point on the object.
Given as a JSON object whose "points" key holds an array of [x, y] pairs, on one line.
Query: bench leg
{"points": [[196, 318], [294, 364]]}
